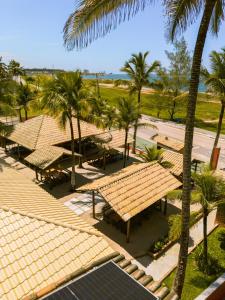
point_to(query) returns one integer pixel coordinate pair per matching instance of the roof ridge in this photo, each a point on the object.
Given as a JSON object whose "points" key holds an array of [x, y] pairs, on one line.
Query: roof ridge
{"points": [[35, 144], [49, 220], [145, 165]]}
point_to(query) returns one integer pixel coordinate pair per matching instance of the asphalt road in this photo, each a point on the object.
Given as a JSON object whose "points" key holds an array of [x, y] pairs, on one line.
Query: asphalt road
{"points": [[203, 139]]}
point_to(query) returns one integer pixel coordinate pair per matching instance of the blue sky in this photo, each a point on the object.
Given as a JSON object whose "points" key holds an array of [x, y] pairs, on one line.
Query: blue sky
{"points": [[31, 32]]}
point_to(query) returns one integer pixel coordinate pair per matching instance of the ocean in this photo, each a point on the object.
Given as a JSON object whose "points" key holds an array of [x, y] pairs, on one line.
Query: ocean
{"points": [[202, 87]]}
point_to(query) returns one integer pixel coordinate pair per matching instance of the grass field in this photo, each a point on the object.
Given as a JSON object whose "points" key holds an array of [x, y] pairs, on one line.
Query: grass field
{"points": [[195, 281], [207, 112]]}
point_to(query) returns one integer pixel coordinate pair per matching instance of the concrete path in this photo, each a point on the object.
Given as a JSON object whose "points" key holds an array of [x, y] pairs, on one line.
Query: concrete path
{"points": [[83, 203], [161, 267]]}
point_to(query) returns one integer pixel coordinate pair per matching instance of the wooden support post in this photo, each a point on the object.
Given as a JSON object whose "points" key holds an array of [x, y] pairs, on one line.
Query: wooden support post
{"points": [[128, 151], [104, 160], [160, 204], [196, 165], [165, 206], [128, 231], [93, 203], [18, 151]]}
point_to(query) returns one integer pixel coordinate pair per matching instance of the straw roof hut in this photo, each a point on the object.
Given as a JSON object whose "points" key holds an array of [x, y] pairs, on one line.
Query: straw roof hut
{"points": [[134, 189], [44, 157], [44, 130], [112, 139]]}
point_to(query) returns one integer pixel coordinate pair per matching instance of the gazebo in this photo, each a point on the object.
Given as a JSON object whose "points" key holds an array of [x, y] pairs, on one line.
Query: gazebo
{"points": [[41, 132], [133, 189], [112, 140], [48, 157], [44, 130]]}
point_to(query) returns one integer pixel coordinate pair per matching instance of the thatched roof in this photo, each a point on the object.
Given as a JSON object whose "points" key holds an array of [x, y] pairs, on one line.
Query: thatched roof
{"points": [[176, 159], [170, 143], [44, 130], [46, 156], [135, 188], [113, 139]]}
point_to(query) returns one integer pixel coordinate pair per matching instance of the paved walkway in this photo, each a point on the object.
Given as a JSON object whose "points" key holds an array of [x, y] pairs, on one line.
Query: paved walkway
{"points": [[161, 267], [82, 203]]}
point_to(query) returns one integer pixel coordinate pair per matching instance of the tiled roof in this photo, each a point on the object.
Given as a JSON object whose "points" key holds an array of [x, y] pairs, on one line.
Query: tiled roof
{"points": [[44, 130], [135, 188], [44, 157], [168, 142], [43, 243], [176, 159], [19, 193], [114, 138], [38, 255]]}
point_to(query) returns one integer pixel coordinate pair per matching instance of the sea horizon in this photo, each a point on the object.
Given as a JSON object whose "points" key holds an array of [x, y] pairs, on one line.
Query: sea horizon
{"points": [[122, 76]]}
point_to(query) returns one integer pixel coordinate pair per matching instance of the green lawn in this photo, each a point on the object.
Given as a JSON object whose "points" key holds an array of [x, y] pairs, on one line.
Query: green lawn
{"points": [[205, 112], [195, 281]]}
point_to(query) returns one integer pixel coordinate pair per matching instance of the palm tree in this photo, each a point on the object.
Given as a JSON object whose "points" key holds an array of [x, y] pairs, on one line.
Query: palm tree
{"points": [[181, 15], [139, 72], [61, 96], [209, 192], [127, 114], [3, 70], [216, 81], [15, 69], [152, 154], [24, 94], [91, 20]]}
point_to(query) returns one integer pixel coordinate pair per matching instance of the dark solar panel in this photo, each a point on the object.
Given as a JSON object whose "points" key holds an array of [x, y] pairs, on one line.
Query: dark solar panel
{"points": [[107, 282]]}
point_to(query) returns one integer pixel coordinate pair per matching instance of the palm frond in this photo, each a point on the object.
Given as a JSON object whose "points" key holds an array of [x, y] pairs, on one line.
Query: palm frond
{"points": [[217, 17], [174, 195], [166, 164], [92, 19], [181, 13], [151, 154]]}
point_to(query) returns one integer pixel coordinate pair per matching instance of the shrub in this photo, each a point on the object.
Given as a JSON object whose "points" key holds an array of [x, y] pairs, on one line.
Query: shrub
{"points": [[174, 227], [213, 266], [221, 238], [158, 245]]}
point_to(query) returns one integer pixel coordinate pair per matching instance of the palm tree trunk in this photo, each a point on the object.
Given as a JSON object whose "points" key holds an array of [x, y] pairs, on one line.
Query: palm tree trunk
{"points": [[173, 111], [205, 241], [218, 131], [136, 122], [26, 115], [125, 148], [97, 86], [20, 115], [73, 174], [189, 130], [80, 140]]}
